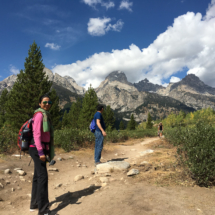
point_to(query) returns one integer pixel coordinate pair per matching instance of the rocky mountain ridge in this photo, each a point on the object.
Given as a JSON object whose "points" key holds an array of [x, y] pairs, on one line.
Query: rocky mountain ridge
{"points": [[125, 98]]}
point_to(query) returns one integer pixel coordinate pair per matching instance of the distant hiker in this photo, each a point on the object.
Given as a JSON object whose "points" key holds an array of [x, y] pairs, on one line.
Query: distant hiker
{"points": [[99, 133], [41, 146], [160, 129]]}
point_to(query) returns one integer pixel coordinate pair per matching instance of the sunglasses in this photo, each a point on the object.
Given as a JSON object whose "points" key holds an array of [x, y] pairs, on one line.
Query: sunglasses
{"points": [[49, 102]]}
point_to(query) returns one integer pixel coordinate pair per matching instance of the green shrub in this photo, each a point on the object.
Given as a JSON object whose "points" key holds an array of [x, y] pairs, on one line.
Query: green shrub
{"points": [[196, 149], [8, 139]]}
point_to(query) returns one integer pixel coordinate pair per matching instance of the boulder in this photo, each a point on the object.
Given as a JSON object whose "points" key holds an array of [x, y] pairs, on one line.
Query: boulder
{"points": [[133, 172], [112, 166], [78, 177]]}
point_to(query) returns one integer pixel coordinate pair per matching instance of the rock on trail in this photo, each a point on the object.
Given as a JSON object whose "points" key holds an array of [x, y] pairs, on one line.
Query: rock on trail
{"points": [[133, 172], [111, 166]]}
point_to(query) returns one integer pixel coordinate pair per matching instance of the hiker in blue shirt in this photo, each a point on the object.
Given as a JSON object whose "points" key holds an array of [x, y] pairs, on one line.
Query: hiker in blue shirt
{"points": [[99, 133]]}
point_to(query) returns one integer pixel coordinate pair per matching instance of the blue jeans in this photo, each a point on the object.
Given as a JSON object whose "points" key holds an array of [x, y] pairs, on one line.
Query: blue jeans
{"points": [[98, 145]]}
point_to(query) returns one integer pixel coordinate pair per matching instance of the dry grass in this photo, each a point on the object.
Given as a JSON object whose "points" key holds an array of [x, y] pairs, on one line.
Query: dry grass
{"points": [[165, 170]]}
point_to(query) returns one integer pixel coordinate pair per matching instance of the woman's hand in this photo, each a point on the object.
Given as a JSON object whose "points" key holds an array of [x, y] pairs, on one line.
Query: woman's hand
{"points": [[43, 158]]}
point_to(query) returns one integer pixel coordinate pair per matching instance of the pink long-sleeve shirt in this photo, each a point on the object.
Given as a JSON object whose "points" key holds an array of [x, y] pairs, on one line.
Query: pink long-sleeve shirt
{"points": [[38, 134]]}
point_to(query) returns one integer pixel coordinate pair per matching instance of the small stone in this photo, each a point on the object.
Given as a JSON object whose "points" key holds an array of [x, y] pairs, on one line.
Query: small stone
{"points": [[1, 185], [104, 184], [7, 182], [133, 150], [19, 188], [60, 159], [13, 189], [7, 171], [53, 169], [21, 172], [116, 154], [17, 169], [71, 157], [90, 179], [112, 179], [92, 172], [29, 181], [122, 153], [92, 186], [15, 181], [104, 179], [58, 185], [122, 179], [78, 177], [144, 163], [107, 174], [79, 165], [9, 203], [29, 195], [133, 172]]}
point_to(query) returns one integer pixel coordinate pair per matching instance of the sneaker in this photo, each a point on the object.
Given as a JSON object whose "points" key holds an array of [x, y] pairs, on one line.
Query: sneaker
{"points": [[98, 163]]}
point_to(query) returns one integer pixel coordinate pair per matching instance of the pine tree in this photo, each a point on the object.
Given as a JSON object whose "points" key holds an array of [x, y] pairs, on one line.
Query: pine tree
{"points": [[149, 123], [132, 123], [55, 109], [31, 83], [121, 125], [74, 113], [109, 118], [3, 100], [88, 110], [65, 120]]}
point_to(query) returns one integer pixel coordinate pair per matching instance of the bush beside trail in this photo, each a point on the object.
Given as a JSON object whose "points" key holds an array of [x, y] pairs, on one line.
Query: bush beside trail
{"points": [[196, 150]]}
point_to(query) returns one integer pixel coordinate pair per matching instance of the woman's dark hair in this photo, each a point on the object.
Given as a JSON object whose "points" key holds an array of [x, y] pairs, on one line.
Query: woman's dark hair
{"points": [[43, 96], [99, 107]]}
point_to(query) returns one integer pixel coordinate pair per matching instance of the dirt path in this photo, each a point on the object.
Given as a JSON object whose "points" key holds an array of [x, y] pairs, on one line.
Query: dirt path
{"points": [[121, 195]]}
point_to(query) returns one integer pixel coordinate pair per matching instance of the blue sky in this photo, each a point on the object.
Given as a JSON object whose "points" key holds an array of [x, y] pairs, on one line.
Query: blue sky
{"points": [[87, 39]]}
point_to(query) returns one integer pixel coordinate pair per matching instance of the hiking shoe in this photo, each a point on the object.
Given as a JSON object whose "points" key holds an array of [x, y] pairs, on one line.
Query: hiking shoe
{"points": [[98, 163]]}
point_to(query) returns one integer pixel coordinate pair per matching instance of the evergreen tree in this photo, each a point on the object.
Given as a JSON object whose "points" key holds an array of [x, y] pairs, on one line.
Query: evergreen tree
{"points": [[109, 118], [31, 83], [88, 110], [65, 120], [149, 123], [121, 126], [74, 114], [55, 109], [3, 100], [132, 123]]}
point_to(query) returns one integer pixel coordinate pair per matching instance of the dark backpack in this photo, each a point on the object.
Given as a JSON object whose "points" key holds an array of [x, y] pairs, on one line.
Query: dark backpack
{"points": [[25, 135], [93, 126]]}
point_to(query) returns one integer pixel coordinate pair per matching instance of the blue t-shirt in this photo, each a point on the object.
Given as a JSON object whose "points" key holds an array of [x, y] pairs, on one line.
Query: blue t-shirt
{"points": [[98, 115]]}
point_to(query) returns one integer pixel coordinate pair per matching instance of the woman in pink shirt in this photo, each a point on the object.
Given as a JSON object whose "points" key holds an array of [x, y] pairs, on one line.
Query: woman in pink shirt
{"points": [[39, 149]]}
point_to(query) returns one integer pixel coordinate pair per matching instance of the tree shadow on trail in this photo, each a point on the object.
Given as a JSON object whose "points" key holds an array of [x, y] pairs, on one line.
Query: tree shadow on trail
{"points": [[117, 159], [71, 198]]}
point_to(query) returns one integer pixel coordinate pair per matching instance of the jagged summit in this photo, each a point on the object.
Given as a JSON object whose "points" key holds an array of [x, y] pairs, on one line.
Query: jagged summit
{"points": [[145, 85], [193, 83], [118, 76]]}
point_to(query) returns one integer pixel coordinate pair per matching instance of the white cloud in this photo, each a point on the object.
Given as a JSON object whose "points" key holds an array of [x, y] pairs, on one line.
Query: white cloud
{"points": [[93, 3], [13, 69], [52, 46], [100, 26], [174, 79], [189, 43], [125, 4]]}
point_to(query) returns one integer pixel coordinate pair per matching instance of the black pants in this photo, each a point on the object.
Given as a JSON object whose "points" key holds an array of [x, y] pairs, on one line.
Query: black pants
{"points": [[39, 194]]}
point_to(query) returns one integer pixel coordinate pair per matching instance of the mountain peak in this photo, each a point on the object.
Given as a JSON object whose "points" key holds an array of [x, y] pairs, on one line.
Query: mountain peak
{"points": [[193, 83], [118, 76]]}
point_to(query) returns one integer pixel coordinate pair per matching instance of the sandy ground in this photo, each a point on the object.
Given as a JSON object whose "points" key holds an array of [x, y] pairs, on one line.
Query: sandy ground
{"points": [[154, 191]]}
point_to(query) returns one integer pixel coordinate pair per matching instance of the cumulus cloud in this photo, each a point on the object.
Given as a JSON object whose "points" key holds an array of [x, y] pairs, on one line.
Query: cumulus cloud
{"points": [[100, 26], [125, 4], [52, 46], [189, 43], [93, 3], [174, 79], [13, 69]]}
